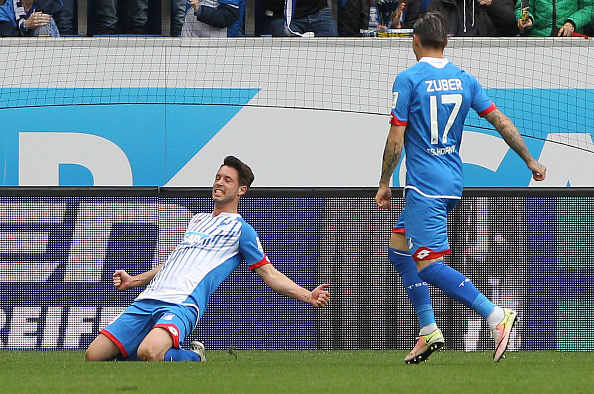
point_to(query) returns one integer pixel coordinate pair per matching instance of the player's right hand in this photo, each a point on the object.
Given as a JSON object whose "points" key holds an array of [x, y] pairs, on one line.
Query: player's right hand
{"points": [[383, 197], [122, 280], [320, 296]]}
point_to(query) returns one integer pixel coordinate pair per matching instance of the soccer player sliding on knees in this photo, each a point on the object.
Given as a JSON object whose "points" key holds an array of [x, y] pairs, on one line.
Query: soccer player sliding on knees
{"points": [[154, 327], [430, 103]]}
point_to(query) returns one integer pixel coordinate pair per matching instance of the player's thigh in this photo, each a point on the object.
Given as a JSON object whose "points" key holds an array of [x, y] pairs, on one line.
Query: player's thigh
{"points": [[101, 349], [426, 225], [154, 346], [398, 241]]}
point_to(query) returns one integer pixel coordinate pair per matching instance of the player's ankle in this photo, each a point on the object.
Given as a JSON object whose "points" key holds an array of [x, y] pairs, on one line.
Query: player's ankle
{"points": [[496, 316], [428, 329]]}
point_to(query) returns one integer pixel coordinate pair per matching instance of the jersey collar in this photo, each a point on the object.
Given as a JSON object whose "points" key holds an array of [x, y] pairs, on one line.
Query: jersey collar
{"points": [[435, 61]]}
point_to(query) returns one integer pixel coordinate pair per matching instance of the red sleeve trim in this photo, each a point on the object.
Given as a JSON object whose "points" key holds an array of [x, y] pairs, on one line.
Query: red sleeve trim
{"points": [[260, 263], [115, 340], [398, 122], [396, 230], [492, 108], [173, 331]]}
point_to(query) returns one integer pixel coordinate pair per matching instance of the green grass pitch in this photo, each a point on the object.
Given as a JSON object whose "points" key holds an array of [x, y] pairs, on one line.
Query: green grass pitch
{"points": [[275, 371]]}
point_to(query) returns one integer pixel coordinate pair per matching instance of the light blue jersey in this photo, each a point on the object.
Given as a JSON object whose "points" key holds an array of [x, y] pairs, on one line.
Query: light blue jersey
{"points": [[432, 99], [213, 246]]}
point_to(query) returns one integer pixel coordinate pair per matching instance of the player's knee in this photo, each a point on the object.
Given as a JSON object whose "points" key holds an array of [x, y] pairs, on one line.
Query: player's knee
{"points": [[146, 352], [92, 355]]}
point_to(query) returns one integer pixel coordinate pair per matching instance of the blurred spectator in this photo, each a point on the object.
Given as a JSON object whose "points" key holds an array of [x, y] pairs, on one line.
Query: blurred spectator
{"points": [[407, 15], [555, 18], [209, 19], [357, 15], [26, 17], [589, 29], [107, 16], [136, 16], [66, 19], [353, 16], [178, 14], [305, 17], [237, 29], [478, 18]]}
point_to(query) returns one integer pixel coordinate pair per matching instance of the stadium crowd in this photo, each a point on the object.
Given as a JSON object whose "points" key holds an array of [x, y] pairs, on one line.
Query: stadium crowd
{"points": [[225, 18]]}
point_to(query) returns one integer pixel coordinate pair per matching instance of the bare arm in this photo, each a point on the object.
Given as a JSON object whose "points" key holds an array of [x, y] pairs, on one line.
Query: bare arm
{"points": [[391, 157], [514, 139], [123, 281], [280, 283]]}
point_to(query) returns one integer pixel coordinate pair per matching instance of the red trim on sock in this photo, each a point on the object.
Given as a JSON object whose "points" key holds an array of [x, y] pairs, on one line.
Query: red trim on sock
{"points": [[115, 341], [173, 331]]}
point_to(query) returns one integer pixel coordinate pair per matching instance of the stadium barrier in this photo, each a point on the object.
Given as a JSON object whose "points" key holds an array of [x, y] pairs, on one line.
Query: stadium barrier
{"points": [[134, 111], [527, 248]]}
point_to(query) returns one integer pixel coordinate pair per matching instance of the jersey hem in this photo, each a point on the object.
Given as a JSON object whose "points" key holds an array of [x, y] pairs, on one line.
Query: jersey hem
{"points": [[431, 195]]}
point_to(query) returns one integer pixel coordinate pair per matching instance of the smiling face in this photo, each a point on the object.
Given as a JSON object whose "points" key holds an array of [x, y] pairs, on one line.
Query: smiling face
{"points": [[226, 189]]}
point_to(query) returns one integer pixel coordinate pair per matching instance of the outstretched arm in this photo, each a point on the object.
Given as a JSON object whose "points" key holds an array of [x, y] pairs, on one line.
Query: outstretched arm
{"points": [[514, 139], [280, 283], [392, 154], [123, 281]]}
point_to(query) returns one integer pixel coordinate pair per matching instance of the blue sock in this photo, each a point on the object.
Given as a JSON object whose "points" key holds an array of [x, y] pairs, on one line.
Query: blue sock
{"points": [[457, 286], [416, 289], [174, 354]]}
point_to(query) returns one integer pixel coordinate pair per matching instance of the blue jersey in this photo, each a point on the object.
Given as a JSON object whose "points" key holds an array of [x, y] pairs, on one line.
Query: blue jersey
{"points": [[432, 99]]}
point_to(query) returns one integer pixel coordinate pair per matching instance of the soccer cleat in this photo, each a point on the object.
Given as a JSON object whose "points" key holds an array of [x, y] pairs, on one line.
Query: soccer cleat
{"points": [[426, 345], [198, 348], [501, 333]]}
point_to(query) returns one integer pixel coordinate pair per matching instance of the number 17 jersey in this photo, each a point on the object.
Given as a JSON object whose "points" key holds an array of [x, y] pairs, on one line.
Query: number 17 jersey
{"points": [[432, 99]]}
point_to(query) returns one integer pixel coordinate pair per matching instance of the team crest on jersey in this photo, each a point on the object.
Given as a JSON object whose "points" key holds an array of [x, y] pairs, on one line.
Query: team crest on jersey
{"points": [[410, 243]]}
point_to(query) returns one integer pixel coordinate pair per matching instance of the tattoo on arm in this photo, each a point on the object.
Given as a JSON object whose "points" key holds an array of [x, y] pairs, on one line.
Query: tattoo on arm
{"points": [[392, 155], [510, 133]]}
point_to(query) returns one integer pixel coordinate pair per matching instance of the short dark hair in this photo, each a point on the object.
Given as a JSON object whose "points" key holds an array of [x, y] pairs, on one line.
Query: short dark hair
{"points": [[431, 29], [246, 176]]}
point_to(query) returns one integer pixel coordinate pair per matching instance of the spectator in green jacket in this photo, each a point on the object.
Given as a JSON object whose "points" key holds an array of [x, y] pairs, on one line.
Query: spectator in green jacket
{"points": [[555, 18]]}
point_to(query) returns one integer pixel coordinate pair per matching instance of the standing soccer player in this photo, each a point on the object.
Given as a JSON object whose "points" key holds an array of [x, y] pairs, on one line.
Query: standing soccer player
{"points": [[165, 313], [431, 101]]}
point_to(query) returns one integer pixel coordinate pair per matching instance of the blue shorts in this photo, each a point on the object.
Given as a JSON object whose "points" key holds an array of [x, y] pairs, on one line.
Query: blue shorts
{"points": [[424, 223], [130, 328]]}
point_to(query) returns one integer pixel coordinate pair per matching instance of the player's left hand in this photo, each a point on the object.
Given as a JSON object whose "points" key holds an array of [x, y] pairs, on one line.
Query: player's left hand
{"points": [[383, 197], [320, 296], [539, 171]]}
